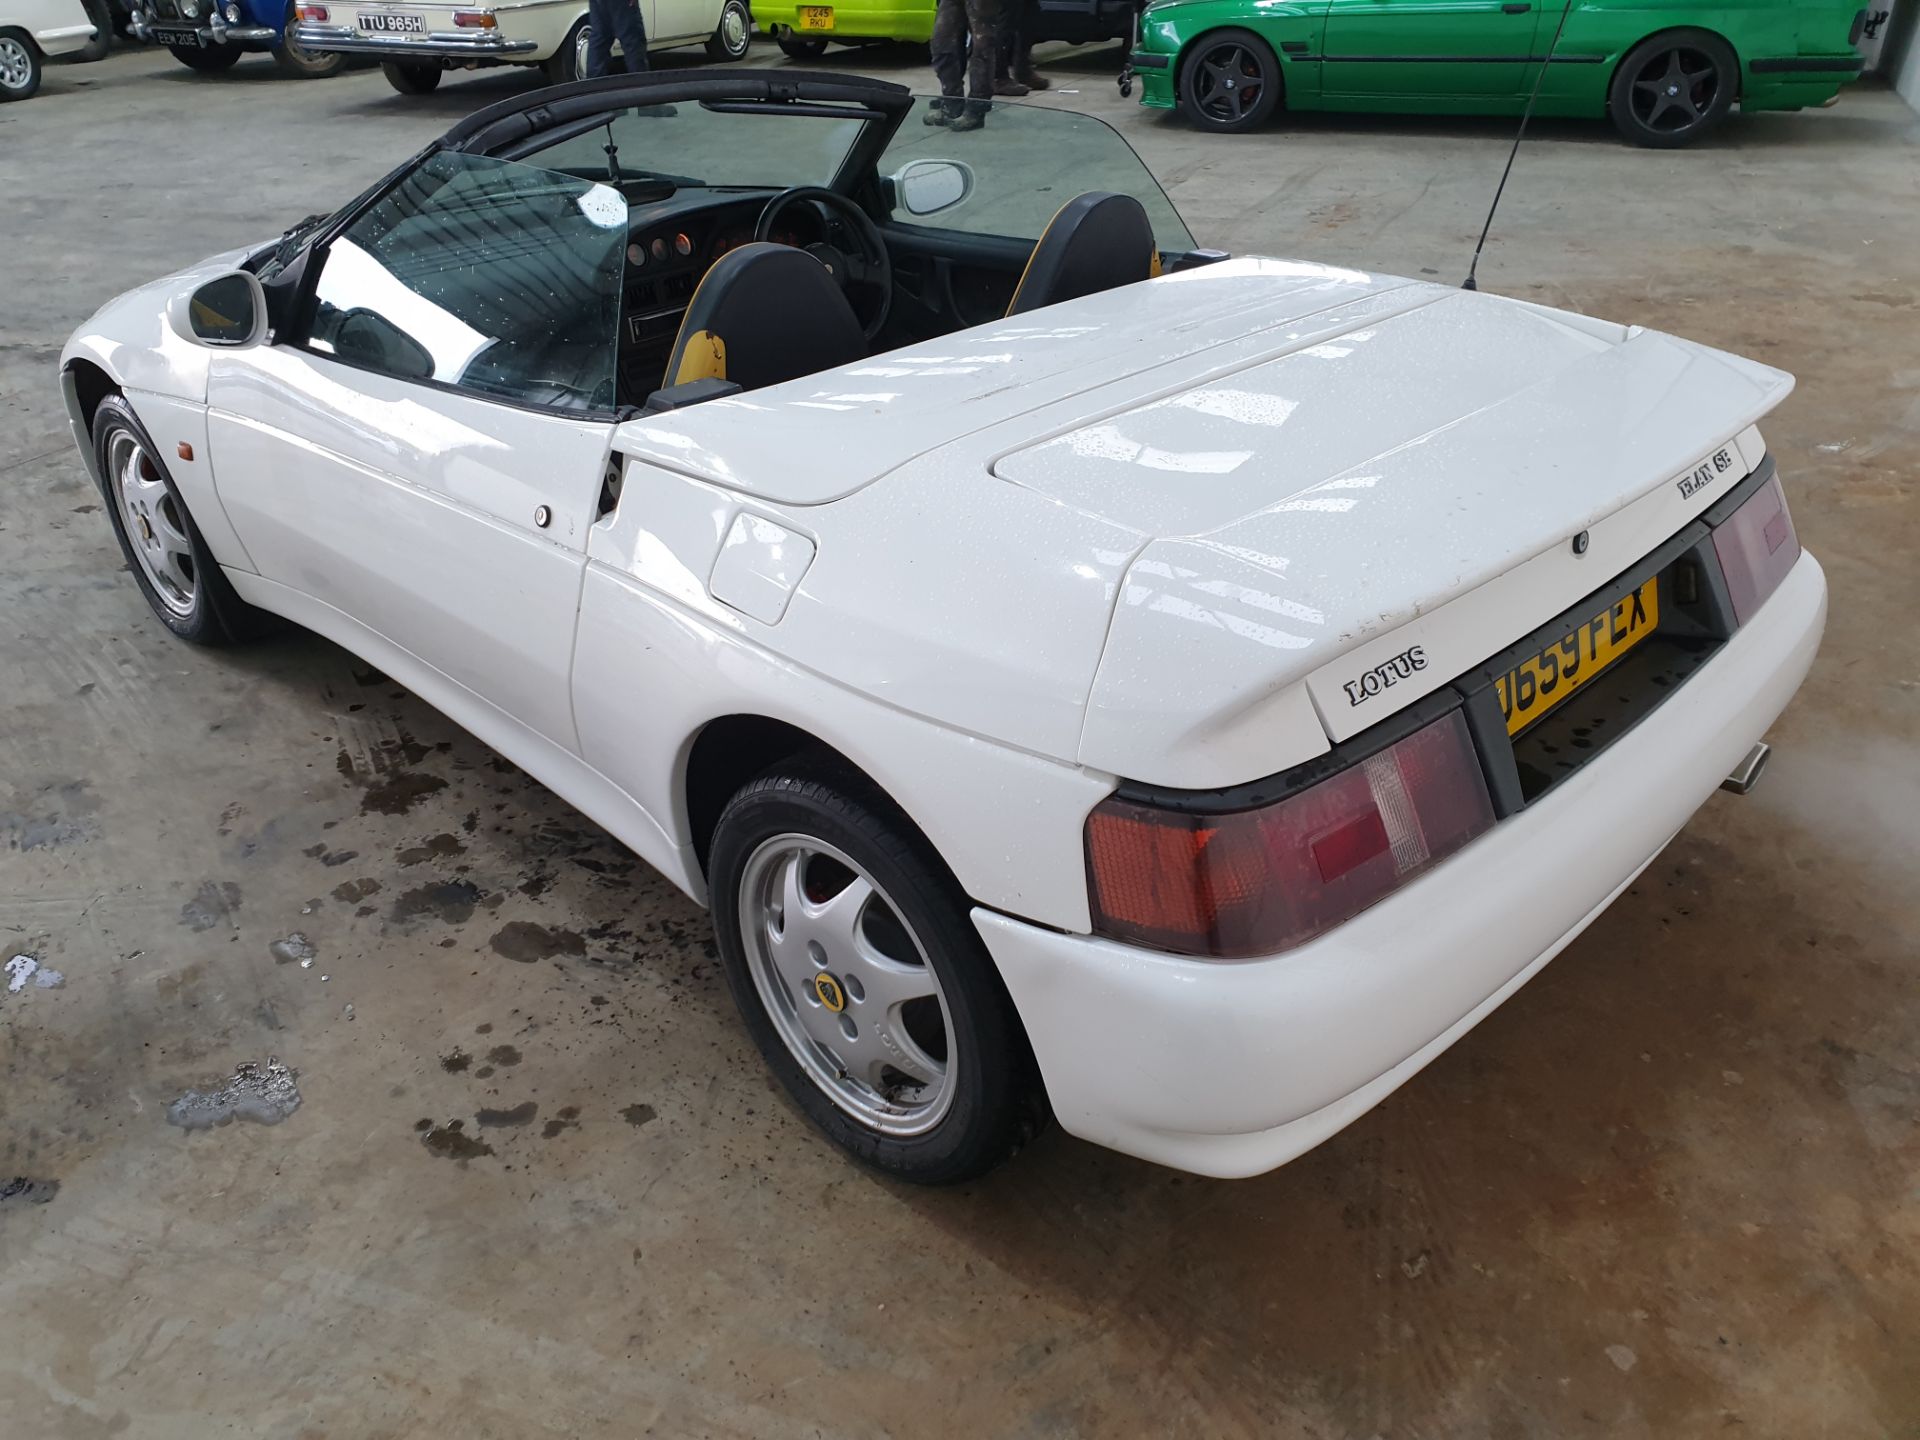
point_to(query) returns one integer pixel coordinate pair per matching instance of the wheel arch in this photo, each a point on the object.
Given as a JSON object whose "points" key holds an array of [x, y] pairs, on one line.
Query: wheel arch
{"points": [[1739, 65], [84, 384]]}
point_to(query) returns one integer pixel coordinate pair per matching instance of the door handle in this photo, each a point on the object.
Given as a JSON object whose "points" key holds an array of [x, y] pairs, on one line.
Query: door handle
{"points": [[1515, 9]]}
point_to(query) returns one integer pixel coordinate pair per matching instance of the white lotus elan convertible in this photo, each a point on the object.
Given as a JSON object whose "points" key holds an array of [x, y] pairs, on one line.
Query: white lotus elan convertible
{"points": [[1084, 674]]}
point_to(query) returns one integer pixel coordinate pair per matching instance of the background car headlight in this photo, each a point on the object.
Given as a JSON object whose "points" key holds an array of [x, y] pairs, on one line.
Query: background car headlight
{"points": [[189, 9], [232, 13]]}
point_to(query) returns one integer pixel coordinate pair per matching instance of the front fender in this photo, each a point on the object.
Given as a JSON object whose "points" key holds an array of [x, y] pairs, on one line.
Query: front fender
{"points": [[130, 340]]}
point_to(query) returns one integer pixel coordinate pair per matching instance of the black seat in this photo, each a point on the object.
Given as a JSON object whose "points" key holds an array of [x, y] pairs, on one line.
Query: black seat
{"points": [[1095, 242], [762, 314]]}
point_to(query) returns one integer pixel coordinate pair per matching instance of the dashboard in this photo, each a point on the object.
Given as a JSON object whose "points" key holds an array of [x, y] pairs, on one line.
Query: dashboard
{"points": [[667, 253]]}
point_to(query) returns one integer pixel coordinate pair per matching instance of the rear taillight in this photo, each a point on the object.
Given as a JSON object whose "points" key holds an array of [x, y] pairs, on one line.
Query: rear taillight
{"points": [[1254, 882], [475, 19], [318, 14], [1757, 546]]}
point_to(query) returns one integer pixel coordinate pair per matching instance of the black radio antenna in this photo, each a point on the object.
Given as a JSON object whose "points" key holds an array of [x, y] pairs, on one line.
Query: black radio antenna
{"points": [[1470, 283]]}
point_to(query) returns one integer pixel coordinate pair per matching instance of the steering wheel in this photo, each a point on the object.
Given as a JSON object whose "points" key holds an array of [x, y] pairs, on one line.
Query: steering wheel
{"points": [[870, 270]]}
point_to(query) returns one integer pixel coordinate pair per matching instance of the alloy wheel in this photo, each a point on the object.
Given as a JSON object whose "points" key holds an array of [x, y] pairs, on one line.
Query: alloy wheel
{"points": [[1675, 90], [16, 64], [1229, 82], [581, 43], [847, 985], [156, 528]]}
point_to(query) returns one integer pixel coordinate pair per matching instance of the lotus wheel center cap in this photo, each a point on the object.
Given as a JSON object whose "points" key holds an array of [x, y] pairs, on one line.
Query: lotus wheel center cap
{"points": [[829, 992], [1673, 89]]}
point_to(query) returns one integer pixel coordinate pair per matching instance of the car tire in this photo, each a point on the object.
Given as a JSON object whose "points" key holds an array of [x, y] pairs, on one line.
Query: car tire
{"points": [[1673, 88], [412, 79], [825, 826], [19, 65], [100, 12], [800, 47], [183, 583], [209, 59], [569, 62], [304, 64], [1229, 81], [733, 34]]}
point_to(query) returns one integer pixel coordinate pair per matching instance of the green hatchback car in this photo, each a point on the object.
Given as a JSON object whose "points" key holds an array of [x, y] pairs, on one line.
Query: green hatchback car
{"points": [[1665, 71]]}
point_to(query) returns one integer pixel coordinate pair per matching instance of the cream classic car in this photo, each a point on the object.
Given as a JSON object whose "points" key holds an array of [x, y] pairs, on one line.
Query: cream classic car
{"points": [[417, 44]]}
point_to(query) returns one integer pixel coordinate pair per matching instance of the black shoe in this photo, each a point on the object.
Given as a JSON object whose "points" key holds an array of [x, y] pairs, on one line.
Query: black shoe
{"points": [[972, 118], [939, 113]]}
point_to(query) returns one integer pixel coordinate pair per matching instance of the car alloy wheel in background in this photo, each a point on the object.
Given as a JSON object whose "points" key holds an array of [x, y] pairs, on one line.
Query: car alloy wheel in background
{"points": [[1230, 82], [301, 63], [733, 34], [19, 68], [1672, 89]]}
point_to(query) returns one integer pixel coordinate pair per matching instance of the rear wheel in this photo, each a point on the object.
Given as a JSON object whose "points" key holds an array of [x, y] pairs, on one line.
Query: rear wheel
{"points": [[800, 47], [734, 32], [412, 79], [301, 63], [100, 12], [569, 62], [1230, 81], [1673, 88], [19, 66], [850, 953], [208, 58], [182, 581]]}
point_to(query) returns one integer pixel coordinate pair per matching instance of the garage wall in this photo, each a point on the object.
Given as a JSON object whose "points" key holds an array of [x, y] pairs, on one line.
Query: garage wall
{"points": [[1900, 60]]}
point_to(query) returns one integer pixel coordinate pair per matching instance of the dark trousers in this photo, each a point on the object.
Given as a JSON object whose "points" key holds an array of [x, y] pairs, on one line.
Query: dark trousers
{"points": [[611, 20], [955, 24], [1015, 55]]}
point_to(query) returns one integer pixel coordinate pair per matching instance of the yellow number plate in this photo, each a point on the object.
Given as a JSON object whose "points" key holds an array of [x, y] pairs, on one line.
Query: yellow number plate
{"points": [[816, 17], [1540, 682]]}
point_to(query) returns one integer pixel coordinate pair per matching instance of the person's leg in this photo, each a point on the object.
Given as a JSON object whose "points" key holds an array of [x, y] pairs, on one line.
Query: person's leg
{"points": [[1020, 63], [1007, 45], [949, 39], [600, 26], [633, 35], [983, 25]]}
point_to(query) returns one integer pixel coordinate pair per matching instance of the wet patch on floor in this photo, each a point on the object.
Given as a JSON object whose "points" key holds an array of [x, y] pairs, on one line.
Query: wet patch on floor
{"points": [[399, 793], [349, 892], [212, 905], [638, 1115], [526, 942], [439, 847], [504, 1055], [449, 901], [454, 1061], [567, 1119], [451, 1142], [265, 1094], [521, 1114], [21, 1191], [50, 816]]}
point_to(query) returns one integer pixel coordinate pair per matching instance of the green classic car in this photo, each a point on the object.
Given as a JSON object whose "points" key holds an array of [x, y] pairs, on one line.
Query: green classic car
{"points": [[1665, 71]]}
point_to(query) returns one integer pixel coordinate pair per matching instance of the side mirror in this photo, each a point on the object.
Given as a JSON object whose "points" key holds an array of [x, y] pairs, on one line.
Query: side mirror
{"points": [[926, 187], [227, 312], [366, 337]]}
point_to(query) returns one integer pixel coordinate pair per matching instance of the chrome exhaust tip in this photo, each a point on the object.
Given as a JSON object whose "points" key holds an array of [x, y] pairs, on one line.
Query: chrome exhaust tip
{"points": [[1747, 773]]}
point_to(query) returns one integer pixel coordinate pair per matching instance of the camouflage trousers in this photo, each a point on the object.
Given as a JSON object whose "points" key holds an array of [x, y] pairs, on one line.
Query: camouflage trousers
{"points": [[955, 23]]}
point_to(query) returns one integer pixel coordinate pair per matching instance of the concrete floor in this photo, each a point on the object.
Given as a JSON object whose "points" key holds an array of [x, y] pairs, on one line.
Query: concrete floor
{"points": [[1672, 1188]]}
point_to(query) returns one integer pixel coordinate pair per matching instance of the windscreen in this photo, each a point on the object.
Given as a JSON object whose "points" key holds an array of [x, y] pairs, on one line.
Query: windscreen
{"points": [[704, 144]]}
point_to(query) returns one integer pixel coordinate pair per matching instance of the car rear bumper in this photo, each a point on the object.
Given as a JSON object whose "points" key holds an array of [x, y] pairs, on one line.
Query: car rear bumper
{"points": [[1230, 1069], [466, 45], [215, 32]]}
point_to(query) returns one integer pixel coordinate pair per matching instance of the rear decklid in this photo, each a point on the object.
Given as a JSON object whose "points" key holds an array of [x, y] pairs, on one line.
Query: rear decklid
{"points": [[1320, 513]]}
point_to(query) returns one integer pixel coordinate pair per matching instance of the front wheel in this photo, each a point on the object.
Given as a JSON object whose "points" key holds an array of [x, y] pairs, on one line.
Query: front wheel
{"points": [[858, 972], [1230, 81], [207, 58], [301, 63], [19, 66], [412, 79], [1673, 88], [100, 12], [183, 583], [731, 36], [798, 47]]}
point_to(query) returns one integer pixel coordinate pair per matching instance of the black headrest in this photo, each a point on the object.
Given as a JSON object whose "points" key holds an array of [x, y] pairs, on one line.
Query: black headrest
{"points": [[1097, 241], [763, 314]]}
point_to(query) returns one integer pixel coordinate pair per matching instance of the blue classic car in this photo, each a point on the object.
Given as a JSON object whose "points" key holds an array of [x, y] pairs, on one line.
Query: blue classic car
{"points": [[212, 34]]}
